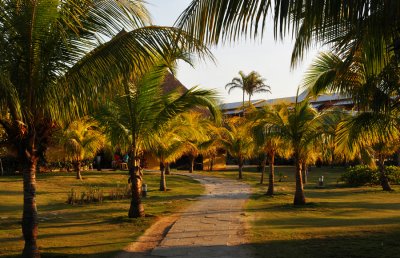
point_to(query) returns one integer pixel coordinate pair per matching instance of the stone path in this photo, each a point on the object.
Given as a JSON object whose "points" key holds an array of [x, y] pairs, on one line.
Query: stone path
{"points": [[213, 226]]}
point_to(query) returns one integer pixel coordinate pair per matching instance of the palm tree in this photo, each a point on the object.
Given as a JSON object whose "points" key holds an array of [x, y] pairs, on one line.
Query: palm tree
{"points": [[301, 126], [250, 84], [168, 146], [194, 132], [375, 134], [341, 25], [140, 112], [55, 66], [374, 94], [238, 141], [81, 140], [213, 145], [255, 84], [268, 142]]}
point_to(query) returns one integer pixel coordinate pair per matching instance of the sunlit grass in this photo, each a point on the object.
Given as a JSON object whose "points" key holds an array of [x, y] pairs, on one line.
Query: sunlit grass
{"points": [[94, 230], [337, 222]]}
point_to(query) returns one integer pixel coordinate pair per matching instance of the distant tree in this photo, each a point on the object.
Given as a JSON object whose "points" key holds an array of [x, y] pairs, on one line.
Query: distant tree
{"points": [[238, 141], [80, 140], [267, 141], [141, 112], [250, 84]]}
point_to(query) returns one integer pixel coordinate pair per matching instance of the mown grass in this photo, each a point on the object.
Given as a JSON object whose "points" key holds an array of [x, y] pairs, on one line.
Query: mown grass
{"points": [[92, 230], [337, 221]]}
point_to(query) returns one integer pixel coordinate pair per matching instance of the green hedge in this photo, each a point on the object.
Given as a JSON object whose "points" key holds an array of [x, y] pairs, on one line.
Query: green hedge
{"points": [[363, 175]]}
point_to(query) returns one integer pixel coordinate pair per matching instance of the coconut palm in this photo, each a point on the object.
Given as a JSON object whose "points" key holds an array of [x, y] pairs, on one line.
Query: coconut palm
{"points": [[213, 145], [141, 113], [374, 134], [58, 59], [339, 24], [238, 141], [194, 132], [167, 146], [301, 126], [269, 143], [250, 84], [81, 140]]}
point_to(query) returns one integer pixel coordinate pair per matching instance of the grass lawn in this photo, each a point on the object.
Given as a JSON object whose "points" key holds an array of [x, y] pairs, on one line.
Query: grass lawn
{"points": [[337, 222], [92, 230]]}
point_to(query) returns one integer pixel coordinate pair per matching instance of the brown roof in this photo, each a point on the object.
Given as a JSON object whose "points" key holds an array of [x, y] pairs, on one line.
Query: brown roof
{"points": [[171, 83]]}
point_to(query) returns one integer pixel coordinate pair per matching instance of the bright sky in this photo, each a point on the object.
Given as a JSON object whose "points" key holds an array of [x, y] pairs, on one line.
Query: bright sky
{"points": [[269, 58]]}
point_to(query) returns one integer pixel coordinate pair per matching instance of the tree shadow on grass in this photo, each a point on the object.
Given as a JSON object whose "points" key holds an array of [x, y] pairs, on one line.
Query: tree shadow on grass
{"points": [[366, 245]]}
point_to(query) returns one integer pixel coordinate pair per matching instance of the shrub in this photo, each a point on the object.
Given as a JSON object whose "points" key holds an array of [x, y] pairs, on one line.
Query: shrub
{"points": [[363, 175], [393, 174], [92, 194], [121, 192]]}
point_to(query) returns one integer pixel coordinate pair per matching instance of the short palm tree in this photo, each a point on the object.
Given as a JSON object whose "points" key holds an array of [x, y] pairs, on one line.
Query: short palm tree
{"points": [[268, 142], [81, 140], [56, 66], [238, 141], [140, 112], [301, 126], [376, 134], [167, 146], [250, 84]]}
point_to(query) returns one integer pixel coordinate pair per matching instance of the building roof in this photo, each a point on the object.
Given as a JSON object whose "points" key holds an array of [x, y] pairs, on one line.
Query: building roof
{"points": [[321, 100], [171, 83]]}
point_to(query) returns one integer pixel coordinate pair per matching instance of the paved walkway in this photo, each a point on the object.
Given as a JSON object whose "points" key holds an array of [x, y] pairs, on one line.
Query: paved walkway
{"points": [[213, 226]]}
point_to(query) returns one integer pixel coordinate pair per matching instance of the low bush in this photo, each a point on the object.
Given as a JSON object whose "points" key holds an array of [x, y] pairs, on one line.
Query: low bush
{"points": [[91, 195], [363, 175], [94, 194]]}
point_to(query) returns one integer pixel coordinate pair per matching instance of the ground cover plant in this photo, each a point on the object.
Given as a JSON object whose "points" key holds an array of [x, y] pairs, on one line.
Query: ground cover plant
{"points": [[90, 230], [338, 221]]}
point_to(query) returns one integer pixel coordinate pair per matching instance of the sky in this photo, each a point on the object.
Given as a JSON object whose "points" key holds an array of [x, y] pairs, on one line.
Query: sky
{"points": [[270, 58]]}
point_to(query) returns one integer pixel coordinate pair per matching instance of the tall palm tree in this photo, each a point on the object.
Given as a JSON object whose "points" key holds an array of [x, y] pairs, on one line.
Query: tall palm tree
{"points": [[58, 59], [81, 140], [141, 113], [238, 141], [256, 84], [339, 24], [250, 84]]}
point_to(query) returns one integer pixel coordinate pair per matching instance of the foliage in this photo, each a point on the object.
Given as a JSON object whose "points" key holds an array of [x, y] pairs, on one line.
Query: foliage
{"points": [[363, 175], [341, 25], [92, 194], [250, 84], [81, 139]]}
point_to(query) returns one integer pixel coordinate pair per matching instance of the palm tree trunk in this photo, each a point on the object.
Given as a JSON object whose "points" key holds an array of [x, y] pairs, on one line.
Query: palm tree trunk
{"points": [[77, 168], [299, 198], [243, 104], [192, 159], [136, 209], [212, 162], [29, 217], [263, 165], [241, 163], [304, 172], [167, 169], [271, 178], [163, 184], [382, 176]]}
